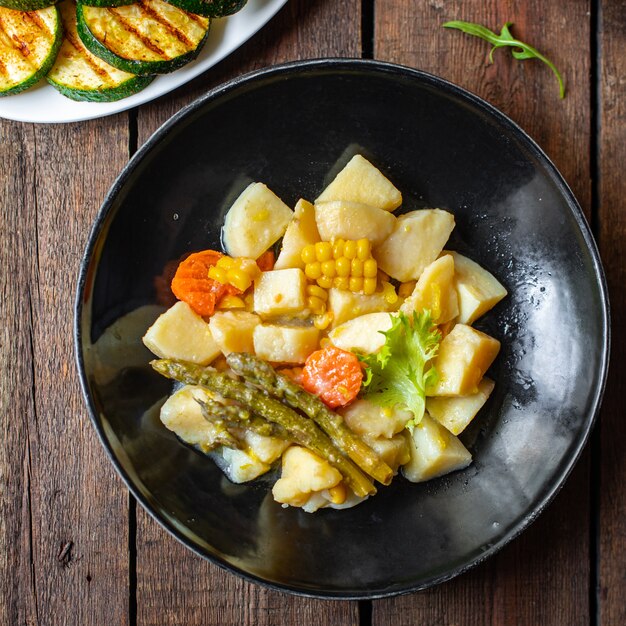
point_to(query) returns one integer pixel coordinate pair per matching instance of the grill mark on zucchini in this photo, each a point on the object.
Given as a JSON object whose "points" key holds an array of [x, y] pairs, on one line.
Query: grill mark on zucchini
{"points": [[20, 45], [77, 44], [131, 29], [157, 17]]}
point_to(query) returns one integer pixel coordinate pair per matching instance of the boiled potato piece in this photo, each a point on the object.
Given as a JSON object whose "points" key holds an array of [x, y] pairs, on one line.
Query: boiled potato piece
{"points": [[394, 451], [478, 290], [352, 220], [265, 449], [463, 358], [346, 305], [239, 466], [257, 219], [362, 334], [280, 292], [416, 241], [180, 333], [434, 452], [364, 417], [232, 330], [285, 344], [303, 473], [302, 231], [360, 181], [435, 291], [456, 413]]}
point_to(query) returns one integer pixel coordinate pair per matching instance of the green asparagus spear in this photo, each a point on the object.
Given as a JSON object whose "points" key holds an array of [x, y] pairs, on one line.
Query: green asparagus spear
{"points": [[300, 429], [263, 374]]}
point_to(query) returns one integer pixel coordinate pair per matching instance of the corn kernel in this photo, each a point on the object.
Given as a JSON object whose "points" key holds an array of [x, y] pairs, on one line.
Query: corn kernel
{"points": [[226, 262], [406, 289], [389, 293], [248, 266], [370, 268], [349, 249], [313, 270], [316, 290], [219, 274], [342, 265], [323, 251], [356, 283], [325, 282], [369, 286], [323, 321], [239, 279], [308, 254], [317, 305], [329, 269], [338, 493], [356, 268], [341, 282], [363, 249], [231, 302], [338, 248]]}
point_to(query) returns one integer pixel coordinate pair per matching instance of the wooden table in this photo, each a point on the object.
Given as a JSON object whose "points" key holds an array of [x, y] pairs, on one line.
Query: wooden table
{"points": [[74, 546]]}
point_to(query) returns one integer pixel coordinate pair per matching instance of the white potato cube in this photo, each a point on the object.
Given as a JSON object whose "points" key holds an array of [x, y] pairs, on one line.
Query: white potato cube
{"points": [[256, 220], [238, 466], [303, 473], [285, 344], [180, 333], [435, 291], [360, 181], [478, 290], [362, 334], [346, 305], [266, 449], [416, 241], [233, 330], [302, 231], [353, 220], [434, 452], [394, 451], [464, 356], [364, 417], [456, 412], [280, 292]]}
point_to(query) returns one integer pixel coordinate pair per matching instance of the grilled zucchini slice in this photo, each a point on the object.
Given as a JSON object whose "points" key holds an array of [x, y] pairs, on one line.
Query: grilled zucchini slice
{"points": [[29, 42], [106, 3], [26, 5], [147, 37], [80, 75], [208, 8]]}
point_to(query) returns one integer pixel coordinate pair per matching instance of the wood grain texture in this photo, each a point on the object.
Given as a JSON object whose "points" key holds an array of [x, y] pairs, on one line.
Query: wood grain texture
{"points": [[524, 584], [65, 530], [612, 218], [173, 585]]}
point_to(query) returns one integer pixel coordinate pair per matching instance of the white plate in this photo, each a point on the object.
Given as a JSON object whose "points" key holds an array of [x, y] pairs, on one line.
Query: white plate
{"points": [[44, 104]]}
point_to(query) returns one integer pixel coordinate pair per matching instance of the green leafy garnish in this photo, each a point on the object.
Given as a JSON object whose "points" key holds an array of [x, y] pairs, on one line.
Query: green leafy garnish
{"points": [[520, 50], [399, 372]]}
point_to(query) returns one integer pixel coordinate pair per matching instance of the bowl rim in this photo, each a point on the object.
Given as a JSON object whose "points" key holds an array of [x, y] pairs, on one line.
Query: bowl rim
{"points": [[328, 65]]}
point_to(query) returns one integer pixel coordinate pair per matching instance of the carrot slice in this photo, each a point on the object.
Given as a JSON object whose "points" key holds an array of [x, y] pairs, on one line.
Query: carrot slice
{"points": [[266, 261], [334, 375], [192, 284]]}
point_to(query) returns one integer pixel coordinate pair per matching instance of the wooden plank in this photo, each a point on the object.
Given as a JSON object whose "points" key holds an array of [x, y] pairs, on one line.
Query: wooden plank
{"points": [[68, 562], [173, 585], [612, 217], [543, 576]]}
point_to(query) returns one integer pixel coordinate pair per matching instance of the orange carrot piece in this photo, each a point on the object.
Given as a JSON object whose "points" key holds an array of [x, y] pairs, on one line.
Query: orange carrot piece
{"points": [[266, 261], [334, 375]]}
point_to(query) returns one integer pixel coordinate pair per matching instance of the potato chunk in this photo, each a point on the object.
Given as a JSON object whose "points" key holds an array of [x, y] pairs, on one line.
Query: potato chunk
{"points": [[303, 473], [256, 220], [362, 334], [434, 452], [232, 330], [366, 418], [478, 290], [353, 220], [180, 333], [280, 292], [416, 241], [360, 181], [285, 344], [301, 232], [457, 412], [346, 305], [464, 356], [435, 291], [239, 466], [394, 451]]}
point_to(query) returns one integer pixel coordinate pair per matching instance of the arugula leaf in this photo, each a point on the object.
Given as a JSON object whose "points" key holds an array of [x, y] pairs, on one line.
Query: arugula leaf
{"points": [[520, 50], [399, 373]]}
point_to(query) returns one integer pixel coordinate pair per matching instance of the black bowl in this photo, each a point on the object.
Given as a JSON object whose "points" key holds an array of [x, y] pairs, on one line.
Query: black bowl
{"points": [[288, 126]]}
